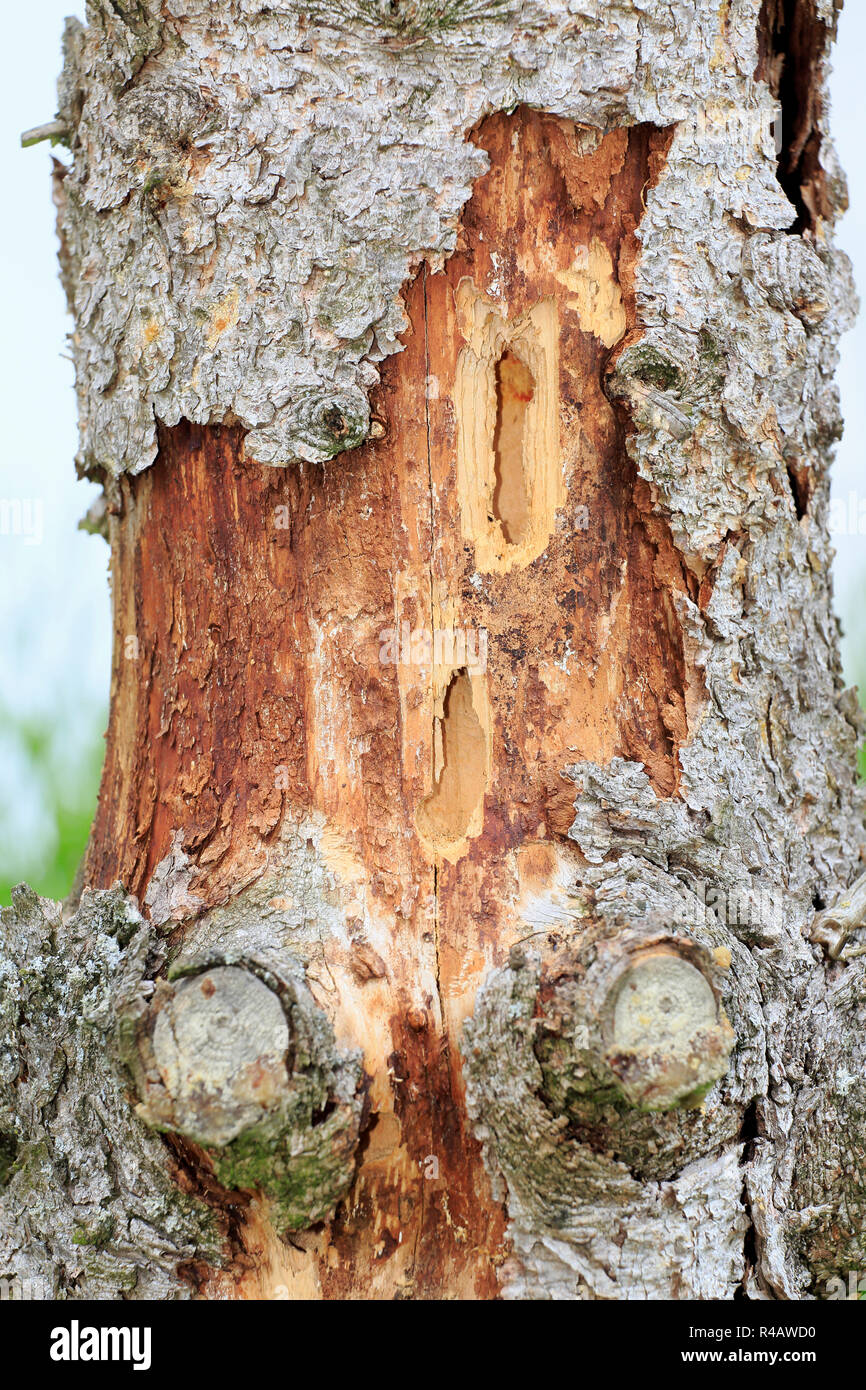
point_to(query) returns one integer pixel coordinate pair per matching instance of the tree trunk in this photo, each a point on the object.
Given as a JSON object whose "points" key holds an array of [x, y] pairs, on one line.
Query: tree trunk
{"points": [[459, 376]]}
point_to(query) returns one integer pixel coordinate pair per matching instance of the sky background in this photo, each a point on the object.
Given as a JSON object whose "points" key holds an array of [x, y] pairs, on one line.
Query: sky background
{"points": [[54, 600]]}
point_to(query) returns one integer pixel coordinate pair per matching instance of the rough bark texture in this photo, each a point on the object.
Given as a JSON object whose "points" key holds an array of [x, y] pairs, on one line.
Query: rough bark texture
{"points": [[500, 317], [93, 1205]]}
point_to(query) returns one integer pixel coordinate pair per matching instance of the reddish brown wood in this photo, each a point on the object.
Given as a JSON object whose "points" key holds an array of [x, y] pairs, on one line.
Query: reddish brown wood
{"points": [[259, 649]]}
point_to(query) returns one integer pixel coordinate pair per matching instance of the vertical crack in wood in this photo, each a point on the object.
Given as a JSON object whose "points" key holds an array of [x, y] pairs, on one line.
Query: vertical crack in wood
{"points": [[515, 388], [792, 42], [427, 390]]}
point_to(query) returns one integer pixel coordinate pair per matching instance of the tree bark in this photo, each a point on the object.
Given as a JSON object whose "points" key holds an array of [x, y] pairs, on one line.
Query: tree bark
{"points": [[460, 381]]}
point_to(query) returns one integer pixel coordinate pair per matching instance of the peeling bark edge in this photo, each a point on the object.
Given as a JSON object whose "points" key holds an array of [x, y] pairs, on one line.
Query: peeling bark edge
{"points": [[205, 168]]}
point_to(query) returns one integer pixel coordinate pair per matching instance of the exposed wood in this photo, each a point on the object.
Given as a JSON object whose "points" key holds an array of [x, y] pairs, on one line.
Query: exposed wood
{"points": [[257, 600], [791, 38]]}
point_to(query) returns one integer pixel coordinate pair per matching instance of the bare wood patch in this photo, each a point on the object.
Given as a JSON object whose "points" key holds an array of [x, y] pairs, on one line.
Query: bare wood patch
{"points": [[499, 499], [509, 472], [792, 41], [453, 811]]}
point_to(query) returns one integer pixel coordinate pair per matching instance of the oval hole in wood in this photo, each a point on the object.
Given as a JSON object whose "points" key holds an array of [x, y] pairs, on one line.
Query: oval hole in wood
{"points": [[460, 767], [515, 387]]}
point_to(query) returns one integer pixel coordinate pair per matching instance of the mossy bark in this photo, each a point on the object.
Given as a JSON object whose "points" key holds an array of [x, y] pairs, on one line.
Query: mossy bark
{"points": [[299, 244]]}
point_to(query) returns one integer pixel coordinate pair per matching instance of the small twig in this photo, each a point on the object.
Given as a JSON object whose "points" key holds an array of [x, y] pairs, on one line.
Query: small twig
{"points": [[832, 927], [52, 130]]}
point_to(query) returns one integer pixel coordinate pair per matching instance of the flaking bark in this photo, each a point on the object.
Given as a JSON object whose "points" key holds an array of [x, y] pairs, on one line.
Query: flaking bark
{"points": [[283, 223]]}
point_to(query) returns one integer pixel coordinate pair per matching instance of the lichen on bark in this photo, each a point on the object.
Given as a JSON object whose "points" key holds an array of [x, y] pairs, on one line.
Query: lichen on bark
{"points": [[251, 187], [90, 1205], [603, 1195], [101, 1053], [242, 1062]]}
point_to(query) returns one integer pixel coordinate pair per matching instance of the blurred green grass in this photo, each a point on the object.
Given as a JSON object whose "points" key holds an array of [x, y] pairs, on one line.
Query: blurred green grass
{"points": [[63, 783]]}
